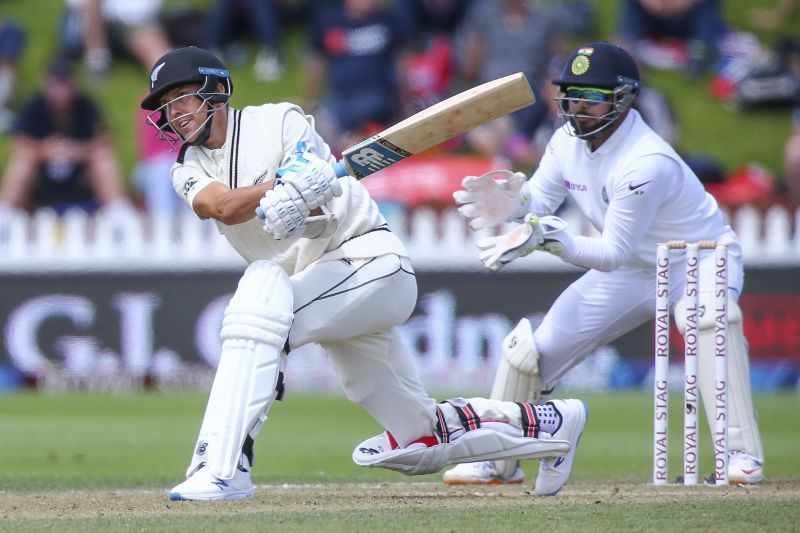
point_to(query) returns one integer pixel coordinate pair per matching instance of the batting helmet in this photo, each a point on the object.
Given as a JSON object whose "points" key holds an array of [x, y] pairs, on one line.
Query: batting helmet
{"points": [[599, 64], [188, 65], [610, 71]]}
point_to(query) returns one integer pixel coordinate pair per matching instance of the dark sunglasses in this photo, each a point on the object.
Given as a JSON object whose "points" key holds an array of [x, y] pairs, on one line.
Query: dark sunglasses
{"points": [[591, 94]]}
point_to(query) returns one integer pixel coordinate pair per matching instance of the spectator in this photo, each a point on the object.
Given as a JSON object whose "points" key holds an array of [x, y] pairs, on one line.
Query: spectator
{"points": [[262, 17], [356, 46], [791, 163], [502, 38], [12, 40], [441, 17], [100, 29], [696, 24], [152, 176], [61, 154], [429, 26], [772, 18]]}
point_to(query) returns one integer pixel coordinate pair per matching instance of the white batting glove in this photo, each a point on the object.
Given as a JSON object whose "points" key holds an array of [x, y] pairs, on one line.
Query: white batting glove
{"points": [[495, 197], [313, 178], [532, 234], [283, 215]]}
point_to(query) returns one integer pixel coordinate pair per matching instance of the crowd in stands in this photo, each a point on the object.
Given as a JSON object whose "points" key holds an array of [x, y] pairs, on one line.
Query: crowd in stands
{"points": [[368, 64]]}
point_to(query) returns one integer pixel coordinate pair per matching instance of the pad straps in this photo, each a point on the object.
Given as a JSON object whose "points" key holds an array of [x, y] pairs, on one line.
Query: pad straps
{"points": [[467, 416], [530, 424], [441, 427]]}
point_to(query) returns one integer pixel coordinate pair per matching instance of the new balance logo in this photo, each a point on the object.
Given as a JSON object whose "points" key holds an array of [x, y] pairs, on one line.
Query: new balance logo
{"points": [[220, 484], [369, 451], [372, 159]]}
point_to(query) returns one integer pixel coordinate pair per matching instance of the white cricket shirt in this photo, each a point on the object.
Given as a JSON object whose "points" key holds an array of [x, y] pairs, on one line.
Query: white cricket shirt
{"points": [[261, 139], [634, 189]]}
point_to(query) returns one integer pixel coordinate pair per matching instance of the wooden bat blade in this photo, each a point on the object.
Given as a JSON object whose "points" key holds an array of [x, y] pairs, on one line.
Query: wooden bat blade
{"points": [[438, 123]]}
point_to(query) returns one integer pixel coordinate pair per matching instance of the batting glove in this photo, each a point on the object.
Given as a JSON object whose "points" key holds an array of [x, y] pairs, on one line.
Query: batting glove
{"points": [[312, 177], [532, 234], [492, 199], [283, 215]]}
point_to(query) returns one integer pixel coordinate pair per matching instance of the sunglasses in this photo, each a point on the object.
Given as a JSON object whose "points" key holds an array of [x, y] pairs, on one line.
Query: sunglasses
{"points": [[590, 94]]}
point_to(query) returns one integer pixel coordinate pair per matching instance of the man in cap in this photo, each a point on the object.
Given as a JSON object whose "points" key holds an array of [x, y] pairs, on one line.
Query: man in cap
{"points": [[637, 192]]}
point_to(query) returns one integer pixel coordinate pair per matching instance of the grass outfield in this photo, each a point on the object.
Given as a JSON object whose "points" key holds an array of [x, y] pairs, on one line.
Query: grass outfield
{"points": [[94, 463]]}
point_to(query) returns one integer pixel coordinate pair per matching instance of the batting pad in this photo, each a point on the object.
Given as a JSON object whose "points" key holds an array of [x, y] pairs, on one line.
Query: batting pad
{"points": [[517, 378], [473, 446], [743, 433], [254, 330]]}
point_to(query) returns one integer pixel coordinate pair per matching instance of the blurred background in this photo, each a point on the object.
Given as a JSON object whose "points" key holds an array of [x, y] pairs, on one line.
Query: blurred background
{"points": [[108, 282]]}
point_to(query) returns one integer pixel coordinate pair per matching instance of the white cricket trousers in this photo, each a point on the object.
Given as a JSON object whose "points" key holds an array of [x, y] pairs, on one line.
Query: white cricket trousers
{"points": [[601, 306], [351, 307]]}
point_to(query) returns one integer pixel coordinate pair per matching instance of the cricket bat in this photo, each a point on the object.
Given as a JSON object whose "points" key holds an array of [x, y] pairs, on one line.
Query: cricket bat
{"points": [[438, 123]]}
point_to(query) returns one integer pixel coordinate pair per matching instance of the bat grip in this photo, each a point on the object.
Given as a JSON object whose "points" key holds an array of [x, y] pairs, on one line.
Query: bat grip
{"points": [[340, 169]]}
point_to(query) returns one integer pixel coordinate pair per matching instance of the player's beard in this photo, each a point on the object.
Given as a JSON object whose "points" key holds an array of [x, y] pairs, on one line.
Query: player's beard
{"points": [[588, 130], [588, 127]]}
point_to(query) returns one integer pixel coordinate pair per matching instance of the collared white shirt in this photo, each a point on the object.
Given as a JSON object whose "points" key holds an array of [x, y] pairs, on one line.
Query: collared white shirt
{"points": [[634, 189]]}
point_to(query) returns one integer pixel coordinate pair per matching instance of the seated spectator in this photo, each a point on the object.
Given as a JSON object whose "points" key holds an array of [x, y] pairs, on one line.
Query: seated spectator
{"points": [[12, 41], [429, 26], [152, 176], [771, 18], [100, 29], [351, 72], [517, 141], [227, 18], [501, 38], [695, 25], [61, 155], [791, 163], [439, 17]]}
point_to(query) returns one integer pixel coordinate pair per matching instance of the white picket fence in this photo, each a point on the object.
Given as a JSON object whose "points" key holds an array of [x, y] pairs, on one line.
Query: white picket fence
{"points": [[77, 242]]}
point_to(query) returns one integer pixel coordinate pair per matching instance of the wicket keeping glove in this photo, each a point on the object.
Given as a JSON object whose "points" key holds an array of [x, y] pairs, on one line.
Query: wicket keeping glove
{"points": [[495, 197], [532, 234]]}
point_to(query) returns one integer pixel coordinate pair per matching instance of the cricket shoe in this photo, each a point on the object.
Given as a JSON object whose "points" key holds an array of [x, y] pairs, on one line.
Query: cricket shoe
{"points": [[481, 473], [203, 485], [554, 471], [744, 468]]}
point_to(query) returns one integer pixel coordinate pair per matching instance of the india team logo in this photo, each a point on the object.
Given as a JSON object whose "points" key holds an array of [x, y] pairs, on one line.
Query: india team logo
{"points": [[580, 65]]}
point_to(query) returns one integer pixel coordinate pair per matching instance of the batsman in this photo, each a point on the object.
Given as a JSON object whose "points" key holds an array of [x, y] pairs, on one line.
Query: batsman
{"points": [[636, 192], [323, 267]]}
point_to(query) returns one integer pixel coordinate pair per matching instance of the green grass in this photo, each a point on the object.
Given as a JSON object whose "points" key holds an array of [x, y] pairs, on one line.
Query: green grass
{"points": [[51, 445], [734, 138], [81, 441]]}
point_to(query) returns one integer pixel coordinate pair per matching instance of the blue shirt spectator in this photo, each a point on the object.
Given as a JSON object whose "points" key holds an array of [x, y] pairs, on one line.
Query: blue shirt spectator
{"points": [[355, 47]]}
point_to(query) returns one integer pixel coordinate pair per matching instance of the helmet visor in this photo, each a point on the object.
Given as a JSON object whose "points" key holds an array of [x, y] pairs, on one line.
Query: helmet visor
{"points": [[591, 95], [170, 122]]}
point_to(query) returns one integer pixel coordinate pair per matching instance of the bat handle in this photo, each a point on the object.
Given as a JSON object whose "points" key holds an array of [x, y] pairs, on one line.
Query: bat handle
{"points": [[340, 169]]}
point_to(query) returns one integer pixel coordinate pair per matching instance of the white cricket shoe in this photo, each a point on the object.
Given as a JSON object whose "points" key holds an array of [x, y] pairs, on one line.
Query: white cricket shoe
{"points": [[481, 473], [744, 468], [554, 471], [203, 485]]}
